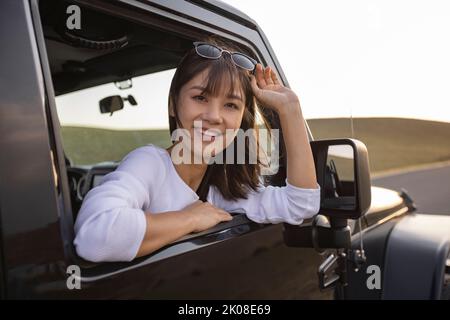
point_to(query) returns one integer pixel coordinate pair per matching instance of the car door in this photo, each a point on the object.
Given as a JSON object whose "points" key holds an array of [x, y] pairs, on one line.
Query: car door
{"points": [[238, 259]]}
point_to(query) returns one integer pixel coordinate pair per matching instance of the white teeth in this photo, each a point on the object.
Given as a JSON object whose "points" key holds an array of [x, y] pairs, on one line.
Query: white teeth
{"points": [[209, 132]]}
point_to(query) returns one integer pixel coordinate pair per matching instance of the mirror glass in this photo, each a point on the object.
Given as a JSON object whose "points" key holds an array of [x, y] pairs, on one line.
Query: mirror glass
{"points": [[111, 104], [339, 184]]}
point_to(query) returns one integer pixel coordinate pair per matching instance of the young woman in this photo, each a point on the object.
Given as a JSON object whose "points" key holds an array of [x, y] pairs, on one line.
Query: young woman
{"points": [[150, 200]]}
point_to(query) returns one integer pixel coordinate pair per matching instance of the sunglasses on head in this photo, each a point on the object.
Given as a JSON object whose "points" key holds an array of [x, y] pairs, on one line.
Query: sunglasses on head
{"points": [[211, 51]]}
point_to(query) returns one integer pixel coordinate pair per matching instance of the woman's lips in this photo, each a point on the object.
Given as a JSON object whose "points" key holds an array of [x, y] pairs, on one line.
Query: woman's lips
{"points": [[208, 134]]}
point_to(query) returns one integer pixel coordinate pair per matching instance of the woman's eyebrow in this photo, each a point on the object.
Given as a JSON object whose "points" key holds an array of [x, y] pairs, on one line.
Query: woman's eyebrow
{"points": [[229, 96], [233, 96], [198, 88]]}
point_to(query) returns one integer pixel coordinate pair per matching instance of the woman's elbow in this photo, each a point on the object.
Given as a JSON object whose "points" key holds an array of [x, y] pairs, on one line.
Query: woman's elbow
{"points": [[89, 247], [94, 246], [301, 211], [314, 207]]}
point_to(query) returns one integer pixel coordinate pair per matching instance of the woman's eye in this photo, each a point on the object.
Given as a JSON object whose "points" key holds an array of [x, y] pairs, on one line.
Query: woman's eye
{"points": [[200, 98], [232, 105]]}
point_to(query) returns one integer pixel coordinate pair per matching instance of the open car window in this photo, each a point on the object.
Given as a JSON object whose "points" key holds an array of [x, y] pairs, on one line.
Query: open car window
{"points": [[110, 101], [92, 135]]}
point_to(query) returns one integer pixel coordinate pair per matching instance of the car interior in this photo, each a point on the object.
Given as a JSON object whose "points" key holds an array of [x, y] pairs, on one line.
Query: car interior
{"points": [[106, 49]]}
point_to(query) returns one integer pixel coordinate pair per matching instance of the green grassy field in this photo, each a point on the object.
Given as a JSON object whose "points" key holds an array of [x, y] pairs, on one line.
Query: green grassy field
{"points": [[91, 145], [392, 143]]}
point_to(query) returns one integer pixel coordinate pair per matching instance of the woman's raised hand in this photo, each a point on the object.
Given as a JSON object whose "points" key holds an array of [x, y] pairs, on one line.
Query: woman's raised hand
{"points": [[205, 215], [270, 92]]}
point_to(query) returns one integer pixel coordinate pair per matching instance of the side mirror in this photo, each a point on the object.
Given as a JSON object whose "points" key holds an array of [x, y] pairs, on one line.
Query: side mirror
{"points": [[342, 169]]}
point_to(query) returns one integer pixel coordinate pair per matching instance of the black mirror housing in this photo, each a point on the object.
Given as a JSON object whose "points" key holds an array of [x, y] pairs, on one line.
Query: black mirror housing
{"points": [[111, 104], [348, 198]]}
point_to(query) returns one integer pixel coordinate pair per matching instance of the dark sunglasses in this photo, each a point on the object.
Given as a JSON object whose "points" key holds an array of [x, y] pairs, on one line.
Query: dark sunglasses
{"points": [[211, 51]]}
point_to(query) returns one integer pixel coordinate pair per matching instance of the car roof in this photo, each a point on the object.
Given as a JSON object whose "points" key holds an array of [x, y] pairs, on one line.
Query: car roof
{"points": [[75, 66], [227, 10]]}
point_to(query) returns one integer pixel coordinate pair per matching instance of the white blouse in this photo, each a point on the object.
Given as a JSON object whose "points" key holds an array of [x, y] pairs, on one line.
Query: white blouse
{"points": [[111, 223]]}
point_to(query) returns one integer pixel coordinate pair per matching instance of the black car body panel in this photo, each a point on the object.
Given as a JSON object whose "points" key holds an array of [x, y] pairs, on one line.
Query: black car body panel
{"points": [[417, 254]]}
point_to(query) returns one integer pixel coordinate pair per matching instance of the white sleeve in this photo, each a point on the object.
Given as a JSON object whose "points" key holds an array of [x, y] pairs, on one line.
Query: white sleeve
{"points": [[271, 204], [111, 223]]}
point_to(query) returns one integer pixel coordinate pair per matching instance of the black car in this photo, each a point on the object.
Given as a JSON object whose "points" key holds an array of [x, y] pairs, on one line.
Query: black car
{"points": [[71, 72]]}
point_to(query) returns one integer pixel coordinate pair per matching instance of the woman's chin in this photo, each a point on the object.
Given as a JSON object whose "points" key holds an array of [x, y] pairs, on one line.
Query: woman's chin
{"points": [[207, 150]]}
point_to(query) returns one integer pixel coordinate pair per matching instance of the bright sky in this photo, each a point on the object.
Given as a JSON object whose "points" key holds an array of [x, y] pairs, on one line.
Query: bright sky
{"points": [[368, 57], [354, 57]]}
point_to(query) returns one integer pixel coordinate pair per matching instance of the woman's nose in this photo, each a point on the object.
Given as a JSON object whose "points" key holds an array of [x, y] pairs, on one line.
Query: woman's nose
{"points": [[212, 114]]}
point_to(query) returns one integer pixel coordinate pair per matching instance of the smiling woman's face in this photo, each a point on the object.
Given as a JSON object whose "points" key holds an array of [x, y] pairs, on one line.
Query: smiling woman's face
{"points": [[210, 119]]}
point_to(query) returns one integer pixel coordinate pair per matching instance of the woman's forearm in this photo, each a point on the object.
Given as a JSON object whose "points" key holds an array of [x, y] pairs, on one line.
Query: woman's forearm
{"points": [[300, 162], [164, 228]]}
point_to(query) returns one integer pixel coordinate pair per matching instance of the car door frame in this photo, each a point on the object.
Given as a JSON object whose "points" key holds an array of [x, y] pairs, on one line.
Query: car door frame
{"points": [[154, 14], [31, 239]]}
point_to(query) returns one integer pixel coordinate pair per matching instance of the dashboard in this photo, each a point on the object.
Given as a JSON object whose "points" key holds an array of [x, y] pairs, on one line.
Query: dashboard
{"points": [[84, 178]]}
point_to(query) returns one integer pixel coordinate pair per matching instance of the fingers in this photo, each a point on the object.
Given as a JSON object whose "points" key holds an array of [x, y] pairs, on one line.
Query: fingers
{"points": [[265, 76], [275, 78], [223, 215], [260, 76], [208, 208], [268, 76], [256, 89], [226, 217], [221, 211]]}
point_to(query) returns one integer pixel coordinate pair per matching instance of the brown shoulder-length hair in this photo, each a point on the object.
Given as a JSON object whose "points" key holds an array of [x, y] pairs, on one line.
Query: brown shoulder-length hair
{"points": [[232, 180]]}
